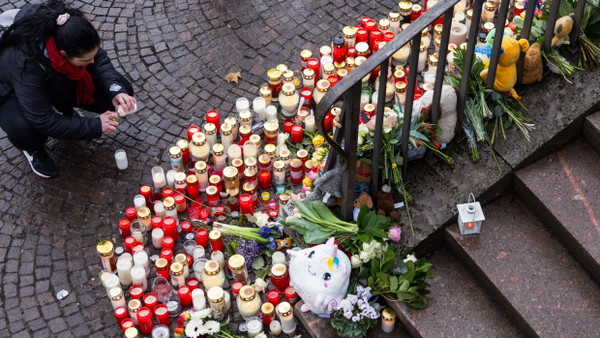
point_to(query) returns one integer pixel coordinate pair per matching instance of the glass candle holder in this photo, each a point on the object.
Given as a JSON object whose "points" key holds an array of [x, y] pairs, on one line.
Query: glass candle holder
{"points": [[138, 231], [242, 104], [158, 177], [189, 246], [259, 105], [121, 159]]}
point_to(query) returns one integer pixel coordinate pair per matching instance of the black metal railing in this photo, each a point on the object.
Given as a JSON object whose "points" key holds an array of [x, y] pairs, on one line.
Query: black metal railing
{"points": [[349, 88]]}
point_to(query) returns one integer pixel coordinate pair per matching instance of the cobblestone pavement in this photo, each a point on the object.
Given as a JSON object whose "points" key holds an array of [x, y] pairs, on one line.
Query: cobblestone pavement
{"points": [[176, 53]]}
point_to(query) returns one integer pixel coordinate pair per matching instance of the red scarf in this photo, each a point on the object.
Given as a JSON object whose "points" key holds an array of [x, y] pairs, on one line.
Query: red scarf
{"points": [[85, 84]]}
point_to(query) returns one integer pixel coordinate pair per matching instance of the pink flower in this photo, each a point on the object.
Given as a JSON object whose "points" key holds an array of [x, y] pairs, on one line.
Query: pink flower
{"points": [[371, 125], [395, 233], [180, 320]]}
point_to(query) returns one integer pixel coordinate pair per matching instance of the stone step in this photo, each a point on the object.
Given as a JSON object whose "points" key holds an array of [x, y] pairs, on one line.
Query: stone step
{"points": [[318, 327], [591, 130], [458, 306], [564, 189], [529, 273]]}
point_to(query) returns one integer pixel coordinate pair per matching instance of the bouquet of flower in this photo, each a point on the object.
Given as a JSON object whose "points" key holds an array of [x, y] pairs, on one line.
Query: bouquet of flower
{"points": [[355, 314], [193, 324]]}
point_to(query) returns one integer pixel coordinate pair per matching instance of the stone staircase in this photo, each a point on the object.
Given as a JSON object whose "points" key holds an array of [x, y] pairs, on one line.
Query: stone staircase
{"points": [[535, 267]]}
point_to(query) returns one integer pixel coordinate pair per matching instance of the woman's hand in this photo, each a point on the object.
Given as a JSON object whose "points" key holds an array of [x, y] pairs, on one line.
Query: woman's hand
{"points": [[109, 123], [127, 102]]}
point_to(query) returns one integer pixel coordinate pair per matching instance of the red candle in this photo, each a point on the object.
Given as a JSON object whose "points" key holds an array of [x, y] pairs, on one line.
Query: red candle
{"points": [[145, 320], [190, 260], [268, 313], [191, 131], [186, 226], [180, 202], [162, 268], [246, 204], [167, 254], [193, 283], [162, 314], [364, 20], [131, 213], [362, 35], [185, 296], [212, 195], [216, 240], [193, 187], [146, 191], [129, 244], [168, 243], [150, 300], [136, 291], [137, 247], [121, 314], [287, 125], [297, 134], [168, 192], [314, 65], [371, 25], [339, 49], [264, 179], [327, 122], [273, 297], [127, 323], [236, 287], [202, 237], [157, 222], [306, 94], [388, 36], [373, 37], [170, 228], [333, 80], [213, 117], [416, 13], [280, 277], [291, 296], [351, 53], [124, 227]]}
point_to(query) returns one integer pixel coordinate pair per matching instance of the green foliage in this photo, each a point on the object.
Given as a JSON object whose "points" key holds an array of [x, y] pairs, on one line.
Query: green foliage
{"points": [[318, 223], [370, 227], [348, 328]]}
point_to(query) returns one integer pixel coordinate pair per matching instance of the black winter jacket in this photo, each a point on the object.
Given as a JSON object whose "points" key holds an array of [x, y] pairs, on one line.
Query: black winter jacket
{"points": [[38, 87]]}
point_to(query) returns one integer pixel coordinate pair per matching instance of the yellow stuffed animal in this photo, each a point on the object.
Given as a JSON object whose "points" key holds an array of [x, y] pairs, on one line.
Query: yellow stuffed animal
{"points": [[562, 29], [506, 72]]}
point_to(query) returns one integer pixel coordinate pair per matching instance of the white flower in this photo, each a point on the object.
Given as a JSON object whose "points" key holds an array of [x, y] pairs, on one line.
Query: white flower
{"points": [[210, 327], [262, 219], [203, 313], [411, 258], [259, 285], [194, 328], [261, 335], [356, 262]]}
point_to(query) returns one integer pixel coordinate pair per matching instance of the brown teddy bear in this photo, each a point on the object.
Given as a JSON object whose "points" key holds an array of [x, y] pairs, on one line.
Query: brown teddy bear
{"points": [[386, 200], [562, 29], [363, 199], [533, 67], [362, 178]]}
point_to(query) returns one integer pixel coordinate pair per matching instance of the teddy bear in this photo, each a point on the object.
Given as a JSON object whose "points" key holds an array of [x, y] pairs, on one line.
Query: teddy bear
{"points": [[386, 200], [447, 117], [329, 184], [562, 29], [506, 72], [533, 67], [363, 178], [363, 199]]}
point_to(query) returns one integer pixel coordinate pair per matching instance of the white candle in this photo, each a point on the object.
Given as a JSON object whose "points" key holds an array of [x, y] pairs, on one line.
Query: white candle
{"points": [[275, 327], [325, 59], [141, 258], [139, 201], [159, 209], [124, 271], [158, 177], [271, 114], [218, 256], [458, 33], [121, 159], [138, 276], [254, 327], [242, 104], [198, 300], [117, 299], [198, 253], [309, 123], [157, 237], [250, 150], [388, 320], [234, 151], [259, 105], [171, 177], [227, 298], [278, 257], [286, 316], [110, 281]]}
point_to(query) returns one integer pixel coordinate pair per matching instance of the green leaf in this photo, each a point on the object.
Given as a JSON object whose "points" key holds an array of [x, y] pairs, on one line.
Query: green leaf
{"points": [[419, 304], [393, 283], [404, 285], [365, 238], [388, 260], [374, 266], [258, 263], [318, 236], [371, 281], [383, 279], [361, 214]]}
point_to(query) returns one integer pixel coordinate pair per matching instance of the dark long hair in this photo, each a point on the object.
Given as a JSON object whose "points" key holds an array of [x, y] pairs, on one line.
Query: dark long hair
{"points": [[76, 37]]}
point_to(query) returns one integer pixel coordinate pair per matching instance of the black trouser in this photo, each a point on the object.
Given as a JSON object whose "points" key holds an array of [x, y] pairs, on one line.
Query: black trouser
{"points": [[24, 137]]}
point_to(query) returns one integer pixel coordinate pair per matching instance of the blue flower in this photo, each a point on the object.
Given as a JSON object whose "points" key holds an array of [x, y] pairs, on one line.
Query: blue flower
{"points": [[264, 231], [271, 245]]}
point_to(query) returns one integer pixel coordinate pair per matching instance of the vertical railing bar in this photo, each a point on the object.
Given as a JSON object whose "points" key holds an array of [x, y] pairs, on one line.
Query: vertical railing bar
{"points": [[549, 34], [337, 137], [383, 74], [439, 76], [500, 20], [350, 145], [574, 36], [464, 84], [410, 94], [525, 35]]}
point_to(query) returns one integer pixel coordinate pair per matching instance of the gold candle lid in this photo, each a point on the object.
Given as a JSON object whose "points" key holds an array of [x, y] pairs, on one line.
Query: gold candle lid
{"points": [[278, 270], [274, 74], [342, 73], [169, 203], [284, 308], [288, 89], [161, 263], [267, 308], [288, 75], [295, 163], [359, 60], [230, 120], [180, 177], [305, 54], [519, 6], [404, 26], [425, 31], [339, 65], [427, 87], [350, 62], [433, 59], [405, 7], [116, 293], [181, 258], [199, 138], [200, 167], [211, 268], [469, 14], [245, 130], [132, 332], [369, 108], [270, 149], [233, 192], [210, 128], [271, 127], [218, 149], [328, 68], [399, 74], [215, 294], [400, 86], [247, 293], [285, 198], [284, 154], [191, 179], [237, 162], [361, 48], [245, 116], [176, 268], [183, 144], [134, 305], [488, 26], [490, 5], [212, 190], [302, 153], [265, 92], [255, 139], [249, 172], [438, 28], [349, 32], [394, 16], [308, 74], [226, 129], [388, 314], [325, 50], [236, 262], [214, 179], [452, 46], [105, 248], [279, 166], [230, 173], [308, 164], [416, 8], [249, 188], [175, 152], [323, 85], [384, 24], [250, 162], [281, 68], [264, 159], [143, 212], [214, 235]]}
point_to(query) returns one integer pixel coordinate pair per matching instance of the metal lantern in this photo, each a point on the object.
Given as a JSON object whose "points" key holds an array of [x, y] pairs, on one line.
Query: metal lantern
{"points": [[470, 217]]}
